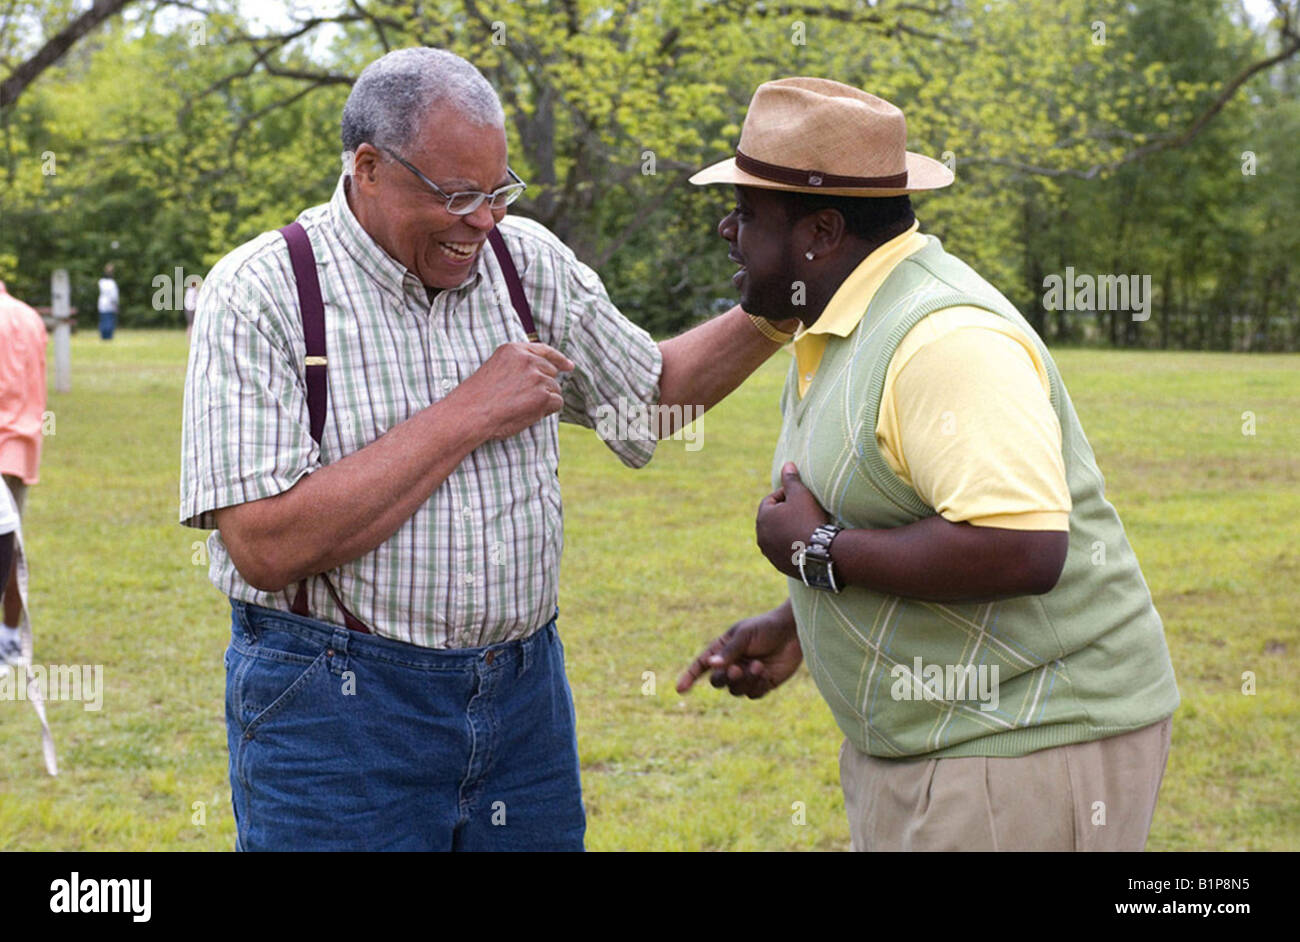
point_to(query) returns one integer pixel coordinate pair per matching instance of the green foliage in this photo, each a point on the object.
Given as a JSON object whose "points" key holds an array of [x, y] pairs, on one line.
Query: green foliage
{"points": [[178, 152]]}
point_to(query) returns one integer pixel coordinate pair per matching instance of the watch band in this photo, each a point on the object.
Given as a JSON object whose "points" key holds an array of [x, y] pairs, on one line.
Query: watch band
{"points": [[824, 535]]}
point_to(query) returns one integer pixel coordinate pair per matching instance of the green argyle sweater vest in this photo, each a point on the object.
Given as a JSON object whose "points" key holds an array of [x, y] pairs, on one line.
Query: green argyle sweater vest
{"points": [[907, 678]]}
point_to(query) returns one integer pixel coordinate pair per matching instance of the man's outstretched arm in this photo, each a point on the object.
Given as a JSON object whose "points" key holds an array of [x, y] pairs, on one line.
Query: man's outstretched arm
{"points": [[704, 365]]}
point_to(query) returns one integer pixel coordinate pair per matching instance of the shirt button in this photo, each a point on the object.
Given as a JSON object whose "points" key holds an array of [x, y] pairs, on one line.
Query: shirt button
{"points": [[807, 378], [447, 385]]}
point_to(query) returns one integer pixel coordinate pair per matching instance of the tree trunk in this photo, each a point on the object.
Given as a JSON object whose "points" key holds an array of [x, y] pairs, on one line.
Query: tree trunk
{"points": [[55, 48]]}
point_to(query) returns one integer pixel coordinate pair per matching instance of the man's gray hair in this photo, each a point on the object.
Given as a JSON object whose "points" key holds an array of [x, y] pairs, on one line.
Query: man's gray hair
{"points": [[395, 92]]}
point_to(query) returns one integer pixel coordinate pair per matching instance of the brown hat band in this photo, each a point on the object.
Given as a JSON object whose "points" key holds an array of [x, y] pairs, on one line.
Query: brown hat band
{"points": [[779, 174]]}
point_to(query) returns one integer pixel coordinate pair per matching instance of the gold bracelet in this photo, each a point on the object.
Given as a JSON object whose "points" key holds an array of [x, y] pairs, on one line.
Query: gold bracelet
{"points": [[764, 327]]}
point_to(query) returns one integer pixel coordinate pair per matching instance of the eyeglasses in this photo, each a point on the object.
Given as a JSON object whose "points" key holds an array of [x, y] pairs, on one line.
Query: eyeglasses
{"points": [[462, 204]]}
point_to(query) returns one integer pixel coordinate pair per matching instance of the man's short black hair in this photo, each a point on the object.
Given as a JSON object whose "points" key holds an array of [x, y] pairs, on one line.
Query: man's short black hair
{"points": [[869, 218]]}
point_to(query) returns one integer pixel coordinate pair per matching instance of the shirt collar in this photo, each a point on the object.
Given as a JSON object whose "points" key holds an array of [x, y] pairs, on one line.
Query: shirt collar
{"points": [[850, 302], [385, 270]]}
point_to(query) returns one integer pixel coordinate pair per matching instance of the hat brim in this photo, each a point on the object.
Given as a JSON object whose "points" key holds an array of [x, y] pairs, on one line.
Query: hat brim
{"points": [[923, 174]]}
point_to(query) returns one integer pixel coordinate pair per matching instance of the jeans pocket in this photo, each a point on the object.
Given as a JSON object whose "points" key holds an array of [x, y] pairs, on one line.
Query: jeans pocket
{"points": [[265, 684]]}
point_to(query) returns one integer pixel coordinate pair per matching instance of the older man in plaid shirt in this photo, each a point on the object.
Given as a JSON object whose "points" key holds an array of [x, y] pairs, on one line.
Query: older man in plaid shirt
{"points": [[432, 500]]}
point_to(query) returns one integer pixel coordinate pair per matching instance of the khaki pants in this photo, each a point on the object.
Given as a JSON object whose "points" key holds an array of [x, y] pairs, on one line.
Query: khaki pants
{"points": [[1097, 795]]}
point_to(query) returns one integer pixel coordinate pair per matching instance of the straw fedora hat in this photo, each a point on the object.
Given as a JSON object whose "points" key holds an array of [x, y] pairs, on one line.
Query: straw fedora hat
{"points": [[812, 135]]}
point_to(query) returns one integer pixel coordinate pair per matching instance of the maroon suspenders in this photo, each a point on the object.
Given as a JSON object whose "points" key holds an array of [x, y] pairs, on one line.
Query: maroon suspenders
{"points": [[517, 297], [312, 309]]}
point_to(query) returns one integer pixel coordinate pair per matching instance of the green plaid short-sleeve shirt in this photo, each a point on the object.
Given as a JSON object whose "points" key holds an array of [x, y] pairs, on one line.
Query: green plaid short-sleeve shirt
{"points": [[479, 562]]}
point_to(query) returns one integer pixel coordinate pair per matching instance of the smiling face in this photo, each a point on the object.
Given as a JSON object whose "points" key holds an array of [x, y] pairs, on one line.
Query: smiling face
{"points": [[762, 242], [405, 216]]}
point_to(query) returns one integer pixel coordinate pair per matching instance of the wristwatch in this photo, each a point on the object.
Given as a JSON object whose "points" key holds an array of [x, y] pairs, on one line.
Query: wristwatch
{"points": [[816, 567]]}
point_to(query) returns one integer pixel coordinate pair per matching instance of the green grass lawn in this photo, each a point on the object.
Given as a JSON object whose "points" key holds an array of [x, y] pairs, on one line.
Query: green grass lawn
{"points": [[657, 562]]}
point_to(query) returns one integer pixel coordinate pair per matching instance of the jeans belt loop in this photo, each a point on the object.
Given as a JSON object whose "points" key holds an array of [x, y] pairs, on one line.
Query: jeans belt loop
{"points": [[339, 648], [246, 626], [526, 654]]}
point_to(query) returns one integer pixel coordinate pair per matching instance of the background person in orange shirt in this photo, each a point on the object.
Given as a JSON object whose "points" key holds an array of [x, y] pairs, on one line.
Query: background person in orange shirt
{"points": [[22, 405]]}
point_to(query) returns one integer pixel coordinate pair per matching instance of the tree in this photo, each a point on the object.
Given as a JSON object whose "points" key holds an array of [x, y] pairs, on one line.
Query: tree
{"points": [[1085, 154]]}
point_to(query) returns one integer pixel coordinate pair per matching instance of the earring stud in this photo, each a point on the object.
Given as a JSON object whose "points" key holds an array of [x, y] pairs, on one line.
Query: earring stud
{"points": [[808, 255]]}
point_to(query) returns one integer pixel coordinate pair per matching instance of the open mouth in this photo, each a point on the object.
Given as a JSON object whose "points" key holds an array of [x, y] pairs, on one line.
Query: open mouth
{"points": [[459, 251]]}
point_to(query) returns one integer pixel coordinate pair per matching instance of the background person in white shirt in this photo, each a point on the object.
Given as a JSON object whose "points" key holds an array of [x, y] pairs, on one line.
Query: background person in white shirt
{"points": [[108, 300]]}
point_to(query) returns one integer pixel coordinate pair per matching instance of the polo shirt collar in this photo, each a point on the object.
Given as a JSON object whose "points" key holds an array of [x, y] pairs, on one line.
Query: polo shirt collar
{"points": [[390, 274], [850, 302]]}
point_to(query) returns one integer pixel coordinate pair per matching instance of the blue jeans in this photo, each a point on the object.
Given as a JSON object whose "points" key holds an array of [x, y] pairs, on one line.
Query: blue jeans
{"points": [[107, 321], [346, 741]]}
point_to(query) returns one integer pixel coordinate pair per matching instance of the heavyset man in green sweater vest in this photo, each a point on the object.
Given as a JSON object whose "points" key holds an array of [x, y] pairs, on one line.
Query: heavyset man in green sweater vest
{"points": [[963, 593]]}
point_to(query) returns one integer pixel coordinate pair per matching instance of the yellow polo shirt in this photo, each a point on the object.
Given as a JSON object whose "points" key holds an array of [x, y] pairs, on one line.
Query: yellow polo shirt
{"points": [[966, 417]]}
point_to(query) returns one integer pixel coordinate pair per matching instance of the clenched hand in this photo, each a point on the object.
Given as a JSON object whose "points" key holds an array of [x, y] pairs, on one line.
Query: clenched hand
{"points": [[516, 387]]}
